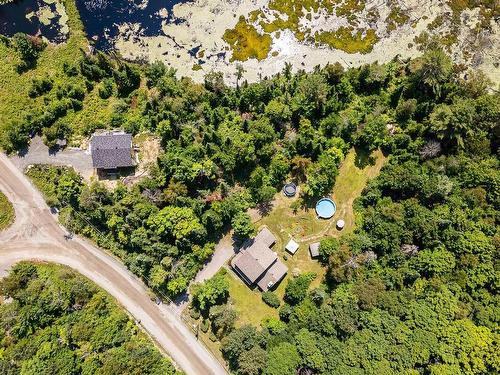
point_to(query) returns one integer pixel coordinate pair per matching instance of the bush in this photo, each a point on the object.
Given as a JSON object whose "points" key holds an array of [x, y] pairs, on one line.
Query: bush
{"points": [[296, 289], [194, 313], [271, 299], [327, 247], [212, 337], [39, 87], [106, 88], [205, 325], [28, 47]]}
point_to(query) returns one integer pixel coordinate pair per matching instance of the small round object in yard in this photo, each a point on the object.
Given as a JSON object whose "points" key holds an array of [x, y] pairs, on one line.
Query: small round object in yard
{"points": [[290, 189], [340, 224]]}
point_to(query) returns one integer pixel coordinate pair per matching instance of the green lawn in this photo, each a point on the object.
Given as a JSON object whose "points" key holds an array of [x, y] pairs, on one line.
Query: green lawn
{"points": [[248, 303], [6, 212], [305, 228]]}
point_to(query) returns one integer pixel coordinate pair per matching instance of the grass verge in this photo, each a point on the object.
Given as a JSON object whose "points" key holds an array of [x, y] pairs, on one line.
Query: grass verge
{"points": [[6, 212]]}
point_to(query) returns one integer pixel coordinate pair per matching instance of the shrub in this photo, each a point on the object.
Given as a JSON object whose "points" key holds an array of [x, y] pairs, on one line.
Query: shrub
{"points": [[271, 299], [39, 87], [296, 289], [205, 324], [194, 313], [327, 247], [106, 88]]}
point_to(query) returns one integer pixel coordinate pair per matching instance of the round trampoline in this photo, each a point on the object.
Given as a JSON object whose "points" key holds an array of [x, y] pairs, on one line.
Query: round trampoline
{"points": [[290, 189], [325, 208]]}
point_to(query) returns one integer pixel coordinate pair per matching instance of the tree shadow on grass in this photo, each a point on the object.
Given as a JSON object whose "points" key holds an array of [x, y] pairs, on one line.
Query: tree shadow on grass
{"points": [[265, 208], [363, 158]]}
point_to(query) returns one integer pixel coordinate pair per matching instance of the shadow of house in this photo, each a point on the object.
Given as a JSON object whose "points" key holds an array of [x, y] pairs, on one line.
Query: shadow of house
{"points": [[257, 264], [112, 154]]}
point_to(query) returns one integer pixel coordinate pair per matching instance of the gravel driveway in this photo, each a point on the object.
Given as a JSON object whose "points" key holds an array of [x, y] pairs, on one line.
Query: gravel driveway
{"points": [[38, 153]]}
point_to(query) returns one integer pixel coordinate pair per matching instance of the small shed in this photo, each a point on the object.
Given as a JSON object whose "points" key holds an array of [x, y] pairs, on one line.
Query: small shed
{"points": [[292, 246], [314, 249]]}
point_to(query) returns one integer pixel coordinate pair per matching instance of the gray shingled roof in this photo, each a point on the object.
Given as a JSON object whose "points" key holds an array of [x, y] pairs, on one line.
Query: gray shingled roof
{"points": [[257, 263], [111, 150], [254, 260], [273, 275], [265, 236], [314, 249]]}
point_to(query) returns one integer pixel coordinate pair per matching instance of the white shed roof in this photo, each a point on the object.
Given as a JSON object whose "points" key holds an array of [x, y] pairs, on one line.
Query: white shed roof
{"points": [[292, 246]]}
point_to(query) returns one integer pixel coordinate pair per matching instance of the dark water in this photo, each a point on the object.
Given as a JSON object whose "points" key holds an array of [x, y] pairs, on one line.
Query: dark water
{"points": [[13, 19], [101, 17]]}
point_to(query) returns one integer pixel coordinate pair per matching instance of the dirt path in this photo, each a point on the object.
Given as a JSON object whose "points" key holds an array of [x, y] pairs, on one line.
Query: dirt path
{"points": [[36, 235]]}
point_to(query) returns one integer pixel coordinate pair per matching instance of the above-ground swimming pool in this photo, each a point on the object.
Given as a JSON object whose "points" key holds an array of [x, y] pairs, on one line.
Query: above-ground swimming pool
{"points": [[325, 208]]}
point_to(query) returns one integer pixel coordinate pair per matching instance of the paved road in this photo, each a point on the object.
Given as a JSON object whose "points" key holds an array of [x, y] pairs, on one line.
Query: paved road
{"points": [[36, 235]]}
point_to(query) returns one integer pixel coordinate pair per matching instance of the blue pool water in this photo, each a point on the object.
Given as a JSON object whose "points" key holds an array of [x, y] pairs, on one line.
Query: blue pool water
{"points": [[325, 208]]}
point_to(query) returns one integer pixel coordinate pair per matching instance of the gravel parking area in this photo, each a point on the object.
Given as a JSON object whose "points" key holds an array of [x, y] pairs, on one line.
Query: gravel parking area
{"points": [[38, 153]]}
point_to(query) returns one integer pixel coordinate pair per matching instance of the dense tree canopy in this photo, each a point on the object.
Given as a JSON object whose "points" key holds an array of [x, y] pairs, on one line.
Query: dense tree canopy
{"points": [[58, 322]]}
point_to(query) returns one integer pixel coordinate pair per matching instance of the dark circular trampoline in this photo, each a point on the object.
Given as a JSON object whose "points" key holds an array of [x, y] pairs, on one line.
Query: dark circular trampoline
{"points": [[290, 189]]}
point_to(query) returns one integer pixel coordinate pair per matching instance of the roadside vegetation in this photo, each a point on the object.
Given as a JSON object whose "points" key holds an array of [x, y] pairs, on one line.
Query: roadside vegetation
{"points": [[7, 214], [55, 321]]}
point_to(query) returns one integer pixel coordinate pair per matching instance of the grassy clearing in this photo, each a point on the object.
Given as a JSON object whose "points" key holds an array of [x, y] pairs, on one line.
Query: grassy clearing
{"points": [[248, 303], [6, 212], [305, 228], [246, 42]]}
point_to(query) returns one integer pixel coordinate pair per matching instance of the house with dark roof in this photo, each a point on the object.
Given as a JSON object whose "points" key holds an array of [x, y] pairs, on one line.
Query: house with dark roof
{"points": [[111, 151], [257, 264]]}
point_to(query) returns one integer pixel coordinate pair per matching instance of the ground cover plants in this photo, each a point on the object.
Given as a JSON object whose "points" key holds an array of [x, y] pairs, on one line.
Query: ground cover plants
{"points": [[55, 321], [6, 212]]}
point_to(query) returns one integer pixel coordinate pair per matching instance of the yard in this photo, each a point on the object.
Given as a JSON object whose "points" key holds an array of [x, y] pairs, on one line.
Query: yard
{"points": [[304, 227]]}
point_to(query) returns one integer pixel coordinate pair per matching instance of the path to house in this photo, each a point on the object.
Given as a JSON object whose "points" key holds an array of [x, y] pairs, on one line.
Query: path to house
{"points": [[38, 153], [36, 235]]}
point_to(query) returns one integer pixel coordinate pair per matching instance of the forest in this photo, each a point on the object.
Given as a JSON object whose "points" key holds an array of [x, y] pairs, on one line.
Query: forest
{"points": [[55, 321], [414, 290]]}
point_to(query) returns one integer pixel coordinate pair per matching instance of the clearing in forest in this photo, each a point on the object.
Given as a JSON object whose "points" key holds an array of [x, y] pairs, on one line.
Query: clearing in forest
{"points": [[303, 225]]}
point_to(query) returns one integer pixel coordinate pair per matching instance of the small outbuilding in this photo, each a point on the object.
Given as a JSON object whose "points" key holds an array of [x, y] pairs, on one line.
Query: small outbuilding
{"points": [[292, 246], [314, 250]]}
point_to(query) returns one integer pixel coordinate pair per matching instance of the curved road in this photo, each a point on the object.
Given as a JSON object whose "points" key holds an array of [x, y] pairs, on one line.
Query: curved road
{"points": [[36, 235]]}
